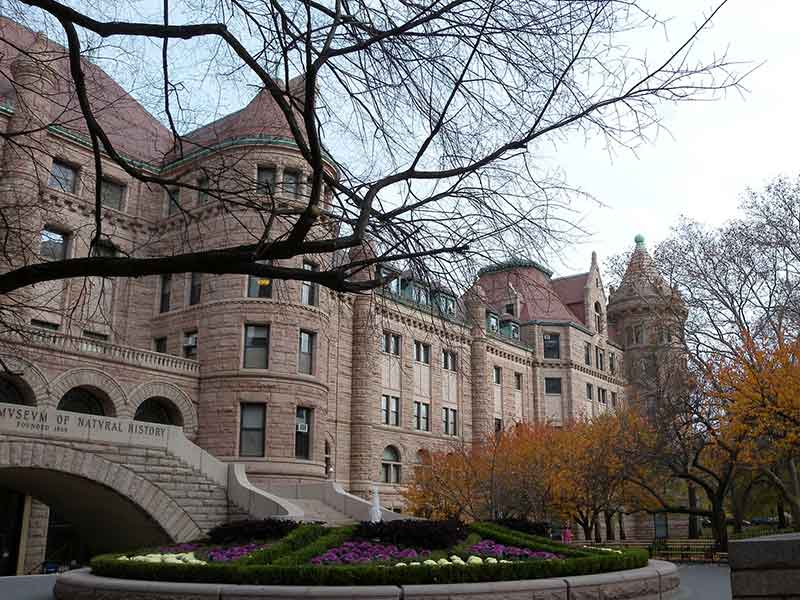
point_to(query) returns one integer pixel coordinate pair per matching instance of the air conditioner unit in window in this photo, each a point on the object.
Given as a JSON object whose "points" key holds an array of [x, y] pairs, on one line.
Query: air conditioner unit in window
{"points": [[302, 427]]}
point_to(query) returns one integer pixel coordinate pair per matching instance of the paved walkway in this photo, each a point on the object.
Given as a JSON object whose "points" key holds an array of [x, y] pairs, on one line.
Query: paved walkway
{"points": [[704, 582], [27, 587]]}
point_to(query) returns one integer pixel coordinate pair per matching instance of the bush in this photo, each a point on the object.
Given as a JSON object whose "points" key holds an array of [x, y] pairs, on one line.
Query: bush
{"points": [[302, 536], [508, 536], [539, 528], [414, 533], [247, 530], [331, 539]]}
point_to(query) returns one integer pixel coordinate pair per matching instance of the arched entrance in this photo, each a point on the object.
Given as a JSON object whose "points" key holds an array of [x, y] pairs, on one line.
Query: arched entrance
{"points": [[159, 410], [87, 400]]}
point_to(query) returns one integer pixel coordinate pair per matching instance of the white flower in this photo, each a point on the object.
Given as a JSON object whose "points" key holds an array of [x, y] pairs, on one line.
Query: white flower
{"points": [[123, 558], [443, 562], [491, 560], [474, 560], [414, 564], [401, 564], [455, 558], [430, 563]]}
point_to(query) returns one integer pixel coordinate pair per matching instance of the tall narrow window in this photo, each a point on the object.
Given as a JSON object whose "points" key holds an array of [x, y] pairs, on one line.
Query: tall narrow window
{"points": [[509, 309], [390, 465], [53, 244], [613, 398], [202, 193], [517, 381], [390, 410], [160, 345], [602, 395], [498, 425], [497, 375], [302, 433], [589, 391], [256, 346], [291, 183], [173, 201], [449, 360], [612, 363], [308, 290], [422, 353], [190, 344], [195, 288], [251, 429], [552, 345], [587, 354], [111, 193], [306, 354], [600, 359], [266, 180], [390, 343], [257, 286], [422, 416], [166, 290], [638, 334], [598, 317], [449, 421], [63, 177]]}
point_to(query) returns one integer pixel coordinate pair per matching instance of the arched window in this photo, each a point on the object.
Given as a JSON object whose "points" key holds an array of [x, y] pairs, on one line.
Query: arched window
{"points": [[14, 392], [82, 400], [390, 465], [158, 410], [598, 317]]}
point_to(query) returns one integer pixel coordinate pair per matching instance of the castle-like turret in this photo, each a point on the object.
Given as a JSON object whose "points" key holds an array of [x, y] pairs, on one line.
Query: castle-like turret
{"points": [[648, 315]]}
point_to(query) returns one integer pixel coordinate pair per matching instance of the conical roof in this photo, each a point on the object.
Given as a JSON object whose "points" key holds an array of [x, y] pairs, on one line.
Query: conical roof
{"points": [[642, 280]]}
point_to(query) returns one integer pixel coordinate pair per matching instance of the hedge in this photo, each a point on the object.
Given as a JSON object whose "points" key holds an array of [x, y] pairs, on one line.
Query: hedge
{"points": [[414, 533], [251, 529], [285, 563]]}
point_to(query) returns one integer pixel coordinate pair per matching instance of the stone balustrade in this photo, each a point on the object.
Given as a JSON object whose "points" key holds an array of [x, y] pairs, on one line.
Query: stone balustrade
{"points": [[108, 351]]}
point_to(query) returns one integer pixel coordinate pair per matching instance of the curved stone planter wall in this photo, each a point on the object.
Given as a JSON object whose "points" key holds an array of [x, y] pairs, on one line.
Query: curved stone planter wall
{"points": [[657, 581]]}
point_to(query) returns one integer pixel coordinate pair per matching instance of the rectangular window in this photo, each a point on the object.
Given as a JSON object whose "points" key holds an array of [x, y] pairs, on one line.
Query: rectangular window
{"points": [[600, 359], [257, 286], [422, 353], [93, 335], [251, 429], [602, 395], [446, 304], [497, 375], [190, 344], [449, 360], [53, 244], [498, 425], [552, 385], [422, 416], [63, 177], [449, 421], [552, 345], [305, 363], [291, 183], [492, 322], [517, 381], [390, 410], [266, 180], [587, 354], [613, 398], [308, 290], [612, 363], [166, 290], [302, 433], [509, 309], [202, 193], [112, 193], [589, 391], [160, 345], [638, 334], [390, 343], [173, 201], [195, 288], [256, 347], [44, 325]]}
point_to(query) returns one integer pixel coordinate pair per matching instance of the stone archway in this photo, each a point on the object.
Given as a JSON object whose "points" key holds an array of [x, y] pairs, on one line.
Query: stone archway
{"points": [[31, 375], [161, 389], [90, 378], [112, 503]]}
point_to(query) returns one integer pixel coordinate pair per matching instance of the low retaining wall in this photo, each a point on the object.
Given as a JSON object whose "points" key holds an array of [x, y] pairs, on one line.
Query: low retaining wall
{"points": [[657, 581], [765, 568]]}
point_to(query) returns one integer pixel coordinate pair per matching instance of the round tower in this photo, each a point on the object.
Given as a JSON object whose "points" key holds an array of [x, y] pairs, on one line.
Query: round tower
{"points": [[648, 316]]}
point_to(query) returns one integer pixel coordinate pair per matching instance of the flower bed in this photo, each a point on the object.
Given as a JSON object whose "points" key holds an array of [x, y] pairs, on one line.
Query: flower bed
{"points": [[313, 555]]}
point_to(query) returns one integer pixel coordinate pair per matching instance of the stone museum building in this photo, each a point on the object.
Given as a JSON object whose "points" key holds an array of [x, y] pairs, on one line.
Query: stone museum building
{"points": [[300, 385]]}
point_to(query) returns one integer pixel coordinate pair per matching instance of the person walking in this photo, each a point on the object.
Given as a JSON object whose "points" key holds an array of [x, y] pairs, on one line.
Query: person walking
{"points": [[567, 534]]}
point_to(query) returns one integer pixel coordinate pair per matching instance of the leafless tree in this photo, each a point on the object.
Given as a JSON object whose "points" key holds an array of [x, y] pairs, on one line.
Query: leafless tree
{"points": [[420, 126]]}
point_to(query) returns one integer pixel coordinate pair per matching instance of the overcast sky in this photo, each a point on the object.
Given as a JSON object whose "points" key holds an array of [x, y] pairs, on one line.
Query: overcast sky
{"points": [[716, 149]]}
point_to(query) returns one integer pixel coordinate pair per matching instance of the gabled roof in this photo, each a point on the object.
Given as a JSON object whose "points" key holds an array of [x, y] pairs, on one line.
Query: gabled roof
{"points": [[132, 130], [571, 291]]}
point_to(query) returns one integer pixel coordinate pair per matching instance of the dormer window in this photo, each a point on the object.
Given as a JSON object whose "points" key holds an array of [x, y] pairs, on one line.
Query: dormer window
{"points": [[510, 329], [446, 304], [492, 322], [510, 309], [393, 287], [421, 295], [514, 331]]}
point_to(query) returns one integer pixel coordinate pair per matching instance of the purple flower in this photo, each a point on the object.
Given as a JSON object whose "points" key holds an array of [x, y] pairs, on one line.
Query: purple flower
{"points": [[360, 552], [492, 548]]}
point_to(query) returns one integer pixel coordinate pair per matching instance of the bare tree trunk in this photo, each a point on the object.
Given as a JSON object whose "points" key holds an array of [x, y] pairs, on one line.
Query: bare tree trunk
{"points": [[621, 519], [609, 517], [719, 525]]}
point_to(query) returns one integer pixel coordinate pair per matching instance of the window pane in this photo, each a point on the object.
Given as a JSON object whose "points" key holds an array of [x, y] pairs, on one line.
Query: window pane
{"points": [[111, 193], [291, 180], [195, 288], [256, 347], [552, 385], [53, 245], [202, 193], [266, 180], [166, 284], [62, 177], [252, 416]]}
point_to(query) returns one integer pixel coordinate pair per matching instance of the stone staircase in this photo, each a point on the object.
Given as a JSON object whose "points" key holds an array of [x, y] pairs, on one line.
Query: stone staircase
{"points": [[316, 510]]}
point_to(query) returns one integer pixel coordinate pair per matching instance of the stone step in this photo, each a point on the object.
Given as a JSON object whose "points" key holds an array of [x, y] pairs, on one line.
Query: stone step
{"points": [[319, 511]]}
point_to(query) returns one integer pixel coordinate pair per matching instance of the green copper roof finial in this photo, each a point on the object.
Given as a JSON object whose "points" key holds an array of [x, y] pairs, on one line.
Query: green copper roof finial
{"points": [[639, 239]]}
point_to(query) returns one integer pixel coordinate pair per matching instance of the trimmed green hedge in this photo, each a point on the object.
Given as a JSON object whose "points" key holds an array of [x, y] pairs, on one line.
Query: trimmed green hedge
{"points": [[285, 563]]}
